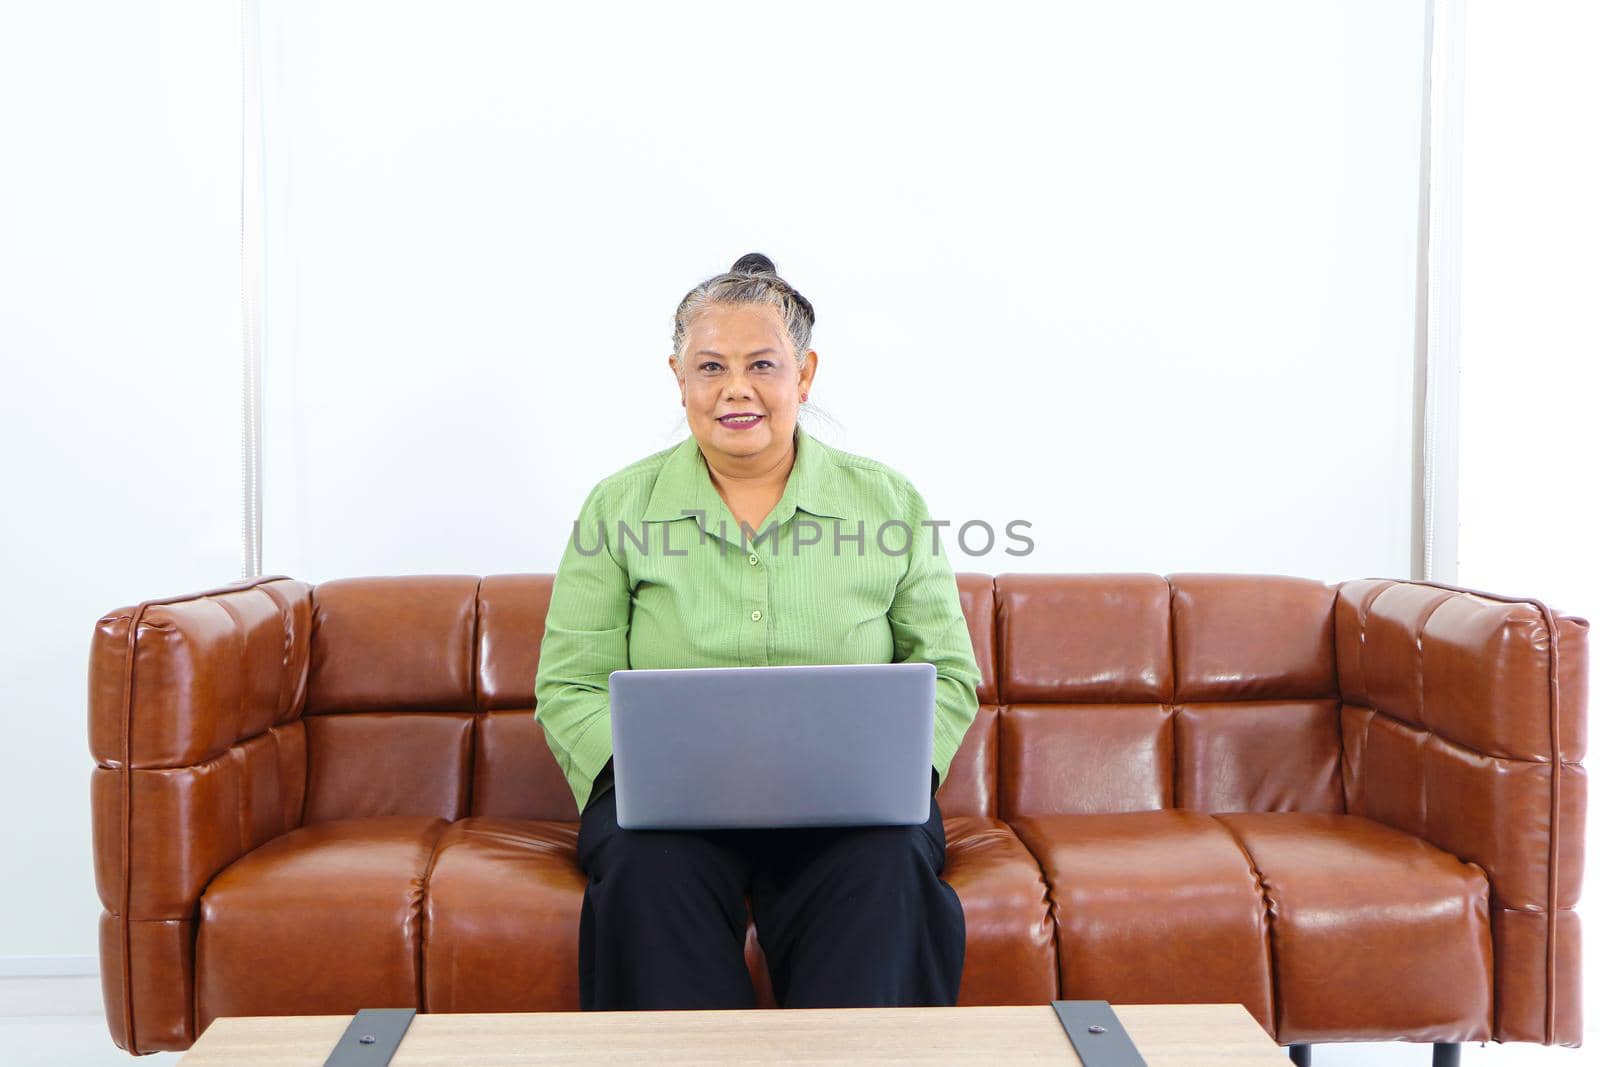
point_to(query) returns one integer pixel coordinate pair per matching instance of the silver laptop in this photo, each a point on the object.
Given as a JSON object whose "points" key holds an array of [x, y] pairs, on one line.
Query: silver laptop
{"points": [[747, 747]]}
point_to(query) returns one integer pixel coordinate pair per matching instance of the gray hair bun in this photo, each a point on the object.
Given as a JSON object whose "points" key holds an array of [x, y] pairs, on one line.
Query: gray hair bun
{"points": [[753, 263], [756, 263]]}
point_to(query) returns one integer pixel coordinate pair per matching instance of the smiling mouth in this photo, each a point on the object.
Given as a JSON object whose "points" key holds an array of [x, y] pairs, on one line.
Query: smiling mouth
{"points": [[740, 420]]}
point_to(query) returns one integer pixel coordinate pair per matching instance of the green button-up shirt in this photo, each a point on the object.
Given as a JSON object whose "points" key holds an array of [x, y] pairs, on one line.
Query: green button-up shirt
{"points": [[658, 573]]}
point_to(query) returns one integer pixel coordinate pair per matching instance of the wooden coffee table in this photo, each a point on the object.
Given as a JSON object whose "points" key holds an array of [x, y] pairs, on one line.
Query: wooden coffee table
{"points": [[1195, 1035]]}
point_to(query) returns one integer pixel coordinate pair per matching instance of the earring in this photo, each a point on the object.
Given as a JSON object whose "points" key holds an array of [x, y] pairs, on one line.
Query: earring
{"points": [[802, 396]]}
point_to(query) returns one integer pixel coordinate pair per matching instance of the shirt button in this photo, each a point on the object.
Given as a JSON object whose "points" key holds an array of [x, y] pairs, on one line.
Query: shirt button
{"points": [[754, 559], [755, 616]]}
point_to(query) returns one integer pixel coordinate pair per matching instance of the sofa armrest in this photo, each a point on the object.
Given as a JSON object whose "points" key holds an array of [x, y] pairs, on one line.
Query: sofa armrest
{"points": [[194, 705], [1464, 721]]}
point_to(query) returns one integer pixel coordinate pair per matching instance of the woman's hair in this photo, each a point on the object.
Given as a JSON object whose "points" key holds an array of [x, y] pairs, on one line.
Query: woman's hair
{"points": [[751, 280]]}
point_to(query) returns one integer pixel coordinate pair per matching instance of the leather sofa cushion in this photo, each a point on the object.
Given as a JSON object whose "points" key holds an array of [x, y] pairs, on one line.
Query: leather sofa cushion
{"points": [[1258, 755], [1263, 908], [401, 641], [326, 919], [490, 906], [1153, 907], [388, 763], [501, 917], [1011, 954], [504, 897], [1085, 759], [514, 773], [1251, 637], [971, 785], [1084, 638], [1419, 915]]}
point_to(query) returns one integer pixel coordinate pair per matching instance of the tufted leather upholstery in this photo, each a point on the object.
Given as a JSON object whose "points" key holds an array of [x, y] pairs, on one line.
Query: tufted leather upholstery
{"points": [[1357, 809]]}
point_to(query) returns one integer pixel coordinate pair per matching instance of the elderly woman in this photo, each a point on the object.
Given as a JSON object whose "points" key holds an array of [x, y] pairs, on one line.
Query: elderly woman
{"points": [[847, 916]]}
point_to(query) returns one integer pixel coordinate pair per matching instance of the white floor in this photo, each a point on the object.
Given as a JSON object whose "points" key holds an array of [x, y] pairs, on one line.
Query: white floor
{"points": [[59, 1021]]}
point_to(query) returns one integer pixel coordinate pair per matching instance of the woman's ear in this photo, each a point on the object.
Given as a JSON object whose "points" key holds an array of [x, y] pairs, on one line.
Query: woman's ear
{"points": [[672, 365]]}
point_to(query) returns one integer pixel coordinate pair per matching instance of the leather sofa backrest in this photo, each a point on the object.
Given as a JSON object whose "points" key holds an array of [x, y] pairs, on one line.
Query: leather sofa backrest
{"points": [[1100, 693], [1134, 692], [420, 699]]}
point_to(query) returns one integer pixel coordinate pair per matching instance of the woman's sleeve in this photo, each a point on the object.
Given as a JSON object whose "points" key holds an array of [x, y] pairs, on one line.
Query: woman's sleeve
{"points": [[929, 627], [585, 639]]}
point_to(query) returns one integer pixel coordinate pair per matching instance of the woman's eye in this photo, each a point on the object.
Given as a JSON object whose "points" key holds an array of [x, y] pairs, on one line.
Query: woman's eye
{"points": [[763, 364], [709, 367]]}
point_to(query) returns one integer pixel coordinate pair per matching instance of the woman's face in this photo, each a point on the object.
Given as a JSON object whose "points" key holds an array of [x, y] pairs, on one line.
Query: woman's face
{"points": [[738, 359]]}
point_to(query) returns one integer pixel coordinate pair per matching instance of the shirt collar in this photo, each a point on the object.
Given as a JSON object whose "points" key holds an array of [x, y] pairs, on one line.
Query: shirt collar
{"points": [[684, 485]]}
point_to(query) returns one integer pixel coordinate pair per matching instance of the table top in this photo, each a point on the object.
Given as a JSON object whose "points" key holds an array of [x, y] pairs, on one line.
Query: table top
{"points": [[1196, 1035]]}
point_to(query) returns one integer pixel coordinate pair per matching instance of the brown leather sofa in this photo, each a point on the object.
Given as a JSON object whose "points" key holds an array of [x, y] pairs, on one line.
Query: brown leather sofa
{"points": [[1357, 809]]}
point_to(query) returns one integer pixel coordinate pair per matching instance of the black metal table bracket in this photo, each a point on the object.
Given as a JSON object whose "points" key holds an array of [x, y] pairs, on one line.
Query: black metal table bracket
{"points": [[1097, 1034], [371, 1038]]}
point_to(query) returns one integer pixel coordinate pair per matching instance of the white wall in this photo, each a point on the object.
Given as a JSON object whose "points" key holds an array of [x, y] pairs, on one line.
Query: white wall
{"points": [[119, 403], [1142, 274]]}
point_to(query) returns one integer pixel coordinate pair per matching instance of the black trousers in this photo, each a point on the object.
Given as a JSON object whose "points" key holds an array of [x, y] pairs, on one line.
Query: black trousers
{"points": [[847, 916]]}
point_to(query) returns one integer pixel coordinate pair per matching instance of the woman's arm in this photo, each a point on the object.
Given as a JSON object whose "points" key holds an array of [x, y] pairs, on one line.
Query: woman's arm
{"points": [[929, 627], [585, 639]]}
